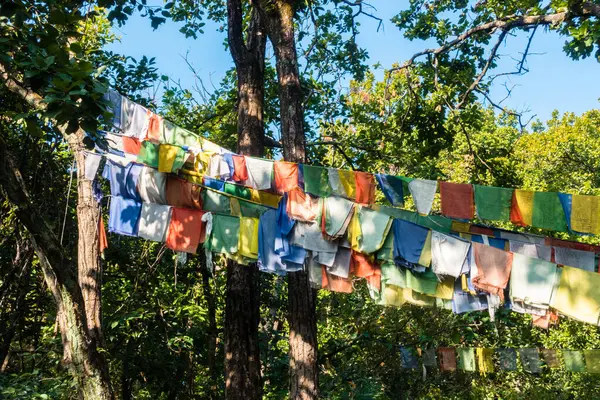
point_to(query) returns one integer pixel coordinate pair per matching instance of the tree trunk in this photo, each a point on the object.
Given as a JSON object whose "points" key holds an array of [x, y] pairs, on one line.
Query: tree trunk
{"points": [[242, 306], [88, 258], [81, 356], [279, 22]]}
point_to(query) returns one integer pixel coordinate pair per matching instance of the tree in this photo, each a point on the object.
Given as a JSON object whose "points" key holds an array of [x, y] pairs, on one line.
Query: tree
{"points": [[242, 313]]}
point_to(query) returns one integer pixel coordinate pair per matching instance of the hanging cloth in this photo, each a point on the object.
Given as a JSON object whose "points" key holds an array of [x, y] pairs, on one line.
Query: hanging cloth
{"points": [[154, 131], [575, 258], [574, 361], [348, 182], [365, 187], [592, 361], [285, 176], [530, 359], [447, 358], [392, 188], [551, 358], [301, 206], [259, 173], [493, 203], [577, 295], [507, 359], [423, 193], [154, 222], [183, 194], [316, 180], [124, 215], [457, 200], [548, 212], [521, 212], [148, 154], [448, 254], [186, 230], [493, 269], [466, 359], [170, 158], [484, 360], [532, 280]]}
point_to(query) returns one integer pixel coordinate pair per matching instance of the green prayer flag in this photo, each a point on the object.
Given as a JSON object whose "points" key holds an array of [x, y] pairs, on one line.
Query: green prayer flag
{"points": [[215, 202], [466, 359], [573, 360], [422, 282], [548, 212], [224, 235], [252, 210], [393, 275], [316, 180], [592, 361], [493, 203], [435, 222], [148, 154], [237, 190]]}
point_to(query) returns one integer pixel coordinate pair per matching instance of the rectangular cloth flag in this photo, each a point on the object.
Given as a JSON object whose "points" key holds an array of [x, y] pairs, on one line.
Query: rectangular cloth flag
{"points": [[409, 358], [592, 361], [493, 203], [186, 230], [484, 360], [285, 176], [585, 214], [530, 359], [507, 359], [551, 358], [548, 212], [574, 361], [577, 295], [393, 188], [466, 359], [365, 187], [447, 357], [316, 180], [457, 200]]}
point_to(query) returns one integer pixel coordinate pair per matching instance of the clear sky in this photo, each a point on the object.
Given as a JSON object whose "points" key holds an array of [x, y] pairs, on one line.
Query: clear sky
{"points": [[554, 81]]}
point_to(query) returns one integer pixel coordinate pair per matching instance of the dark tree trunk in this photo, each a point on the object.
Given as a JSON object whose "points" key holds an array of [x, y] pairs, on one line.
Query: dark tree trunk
{"points": [[242, 307], [81, 356], [279, 23]]}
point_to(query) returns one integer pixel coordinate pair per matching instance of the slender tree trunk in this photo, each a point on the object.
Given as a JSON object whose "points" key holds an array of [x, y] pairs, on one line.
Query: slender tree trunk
{"points": [[81, 356], [279, 22], [88, 259], [242, 304]]}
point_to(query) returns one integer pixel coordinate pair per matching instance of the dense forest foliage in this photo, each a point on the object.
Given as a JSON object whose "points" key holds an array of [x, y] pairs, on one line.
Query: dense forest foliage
{"points": [[163, 317]]}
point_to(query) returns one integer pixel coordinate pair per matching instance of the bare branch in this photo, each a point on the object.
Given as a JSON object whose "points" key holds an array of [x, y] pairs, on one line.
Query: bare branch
{"points": [[484, 71]]}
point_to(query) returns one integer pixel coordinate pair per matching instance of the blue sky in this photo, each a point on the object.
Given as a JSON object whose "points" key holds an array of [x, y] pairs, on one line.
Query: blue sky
{"points": [[554, 81]]}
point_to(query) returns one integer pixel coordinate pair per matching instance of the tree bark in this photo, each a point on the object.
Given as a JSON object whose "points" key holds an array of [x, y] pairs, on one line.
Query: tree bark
{"points": [[242, 306], [279, 23], [81, 356], [88, 257]]}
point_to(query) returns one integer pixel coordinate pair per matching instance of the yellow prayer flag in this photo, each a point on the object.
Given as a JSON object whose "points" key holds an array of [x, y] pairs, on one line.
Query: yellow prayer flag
{"points": [[585, 214]]}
